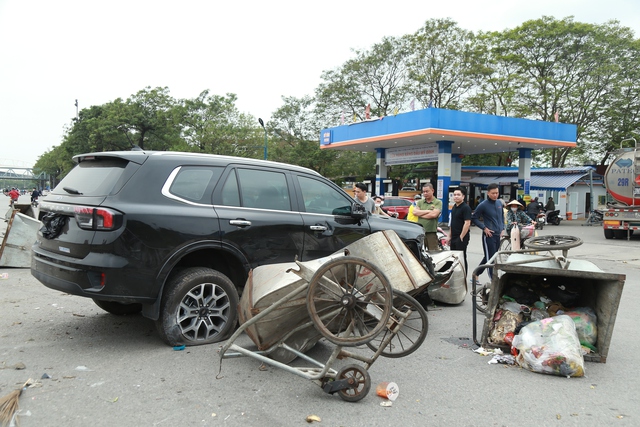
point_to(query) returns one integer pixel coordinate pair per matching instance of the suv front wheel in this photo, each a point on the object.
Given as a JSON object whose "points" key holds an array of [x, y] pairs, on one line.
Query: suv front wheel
{"points": [[199, 307]]}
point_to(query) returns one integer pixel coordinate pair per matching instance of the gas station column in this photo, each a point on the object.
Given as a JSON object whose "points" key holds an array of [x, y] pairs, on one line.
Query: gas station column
{"points": [[381, 171], [456, 169], [524, 169], [444, 177]]}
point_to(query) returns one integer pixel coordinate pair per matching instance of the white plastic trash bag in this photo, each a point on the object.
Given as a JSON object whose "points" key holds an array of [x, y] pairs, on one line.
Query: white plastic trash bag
{"points": [[550, 346]]}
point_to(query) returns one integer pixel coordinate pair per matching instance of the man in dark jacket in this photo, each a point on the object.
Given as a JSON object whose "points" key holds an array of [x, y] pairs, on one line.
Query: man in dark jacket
{"points": [[492, 224], [551, 206], [533, 209]]}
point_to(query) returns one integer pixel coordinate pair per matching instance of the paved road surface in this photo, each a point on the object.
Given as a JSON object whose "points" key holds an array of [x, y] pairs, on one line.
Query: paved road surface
{"points": [[107, 370]]}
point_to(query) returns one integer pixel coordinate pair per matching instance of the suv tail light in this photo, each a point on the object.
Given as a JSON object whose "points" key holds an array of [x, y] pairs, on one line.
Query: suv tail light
{"points": [[89, 218]]}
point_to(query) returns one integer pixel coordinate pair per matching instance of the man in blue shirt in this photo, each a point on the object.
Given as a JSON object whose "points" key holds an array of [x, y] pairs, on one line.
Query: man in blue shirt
{"points": [[491, 224]]}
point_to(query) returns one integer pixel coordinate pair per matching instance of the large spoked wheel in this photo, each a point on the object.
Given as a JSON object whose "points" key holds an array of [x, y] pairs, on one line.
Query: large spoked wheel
{"points": [[199, 307], [410, 335], [553, 242], [360, 380], [344, 295]]}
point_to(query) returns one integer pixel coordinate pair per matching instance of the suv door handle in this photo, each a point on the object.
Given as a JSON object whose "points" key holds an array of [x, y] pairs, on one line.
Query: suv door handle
{"points": [[318, 228], [240, 222]]}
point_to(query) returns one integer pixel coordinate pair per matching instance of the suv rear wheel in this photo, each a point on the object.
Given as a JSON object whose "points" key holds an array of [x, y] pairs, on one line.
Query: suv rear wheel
{"points": [[199, 307], [118, 308]]}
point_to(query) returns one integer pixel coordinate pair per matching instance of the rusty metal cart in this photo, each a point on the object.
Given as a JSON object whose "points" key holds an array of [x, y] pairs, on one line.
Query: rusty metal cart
{"points": [[345, 299]]}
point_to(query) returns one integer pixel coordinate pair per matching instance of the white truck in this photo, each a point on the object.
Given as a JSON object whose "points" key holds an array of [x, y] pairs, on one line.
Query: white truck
{"points": [[622, 179]]}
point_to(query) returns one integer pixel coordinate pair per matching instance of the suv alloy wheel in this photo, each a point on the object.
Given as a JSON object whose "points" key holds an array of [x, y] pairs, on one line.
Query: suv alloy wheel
{"points": [[199, 307]]}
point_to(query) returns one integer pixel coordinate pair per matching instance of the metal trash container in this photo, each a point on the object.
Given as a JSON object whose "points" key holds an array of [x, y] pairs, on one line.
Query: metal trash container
{"points": [[595, 289], [18, 238]]}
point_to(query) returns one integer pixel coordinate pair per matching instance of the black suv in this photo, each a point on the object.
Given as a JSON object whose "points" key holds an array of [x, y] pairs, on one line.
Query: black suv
{"points": [[174, 235]]}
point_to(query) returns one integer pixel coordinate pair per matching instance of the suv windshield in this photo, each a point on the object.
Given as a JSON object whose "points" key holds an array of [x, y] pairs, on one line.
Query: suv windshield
{"points": [[92, 178]]}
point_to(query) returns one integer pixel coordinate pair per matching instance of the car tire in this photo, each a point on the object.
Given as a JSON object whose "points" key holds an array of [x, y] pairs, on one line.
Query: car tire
{"points": [[118, 308], [199, 307], [608, 234]]}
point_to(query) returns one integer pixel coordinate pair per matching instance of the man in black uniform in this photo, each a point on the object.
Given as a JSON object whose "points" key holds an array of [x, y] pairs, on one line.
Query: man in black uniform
{"points": [[460, 224]]}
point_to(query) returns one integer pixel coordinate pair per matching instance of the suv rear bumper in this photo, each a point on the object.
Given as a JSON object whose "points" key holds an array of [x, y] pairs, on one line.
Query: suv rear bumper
{"points": [[75, 277]]}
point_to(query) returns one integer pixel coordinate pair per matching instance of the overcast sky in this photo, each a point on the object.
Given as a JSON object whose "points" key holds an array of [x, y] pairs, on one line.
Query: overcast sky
{"points": [[53, 52]]}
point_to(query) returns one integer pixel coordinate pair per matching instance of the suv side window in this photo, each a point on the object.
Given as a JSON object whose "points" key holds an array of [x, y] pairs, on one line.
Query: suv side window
{"points": [[255, 188], [321, 198], [191, 183]]}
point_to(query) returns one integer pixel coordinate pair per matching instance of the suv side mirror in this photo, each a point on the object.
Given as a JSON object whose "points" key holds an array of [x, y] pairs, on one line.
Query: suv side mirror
{"points": [[358, 211]]}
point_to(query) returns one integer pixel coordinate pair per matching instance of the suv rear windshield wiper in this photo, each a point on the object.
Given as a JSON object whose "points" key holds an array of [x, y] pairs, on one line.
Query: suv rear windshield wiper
{"points": [[71, 190]]}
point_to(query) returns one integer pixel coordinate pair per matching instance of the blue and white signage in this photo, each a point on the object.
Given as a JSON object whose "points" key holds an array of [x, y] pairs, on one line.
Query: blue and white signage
{"points": [[416, 154]]}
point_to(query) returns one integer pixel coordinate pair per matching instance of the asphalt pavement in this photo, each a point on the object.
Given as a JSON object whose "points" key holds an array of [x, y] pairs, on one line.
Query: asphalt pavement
{"points": [[93, 368]]}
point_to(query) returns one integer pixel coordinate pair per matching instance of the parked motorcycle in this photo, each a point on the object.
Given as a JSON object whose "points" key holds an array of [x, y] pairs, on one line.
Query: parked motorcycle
{"points": [[541, 220], [442, 240], [553, 217]]}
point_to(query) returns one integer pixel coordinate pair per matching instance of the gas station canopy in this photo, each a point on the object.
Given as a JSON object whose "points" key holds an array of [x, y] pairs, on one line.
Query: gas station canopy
{"points": [[470, 133]]}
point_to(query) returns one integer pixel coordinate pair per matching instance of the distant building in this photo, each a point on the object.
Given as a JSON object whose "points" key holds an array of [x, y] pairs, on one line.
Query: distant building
{"points": [[570, 187]]}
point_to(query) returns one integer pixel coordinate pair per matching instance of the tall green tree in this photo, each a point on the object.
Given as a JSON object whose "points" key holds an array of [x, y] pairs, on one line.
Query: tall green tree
{"points": [[619, 123], [562, 68], [146, 119], [375, 77], [295, 129], [442, 63], [212, 124]]}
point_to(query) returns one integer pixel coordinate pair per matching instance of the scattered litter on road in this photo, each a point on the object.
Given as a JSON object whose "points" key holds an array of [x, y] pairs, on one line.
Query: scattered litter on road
{"points": [[82, 368], [388, 390], [19, 366], [4, 276], [386, 403], [505, 359], [179, 347], [485, 352], [312, 418], [45, 376]]}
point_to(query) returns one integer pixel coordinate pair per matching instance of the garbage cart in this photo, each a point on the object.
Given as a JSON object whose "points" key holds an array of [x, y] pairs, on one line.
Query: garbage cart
{"points": [[539, 279], [355, 298]]}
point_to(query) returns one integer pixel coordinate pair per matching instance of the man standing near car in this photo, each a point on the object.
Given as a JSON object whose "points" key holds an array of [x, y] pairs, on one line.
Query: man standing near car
{"points": [[460, 224], [428, 211], [492, 224], [360, 191]]}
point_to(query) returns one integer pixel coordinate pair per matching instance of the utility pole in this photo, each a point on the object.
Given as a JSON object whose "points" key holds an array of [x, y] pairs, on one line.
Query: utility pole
{"points": [[265, 137]]}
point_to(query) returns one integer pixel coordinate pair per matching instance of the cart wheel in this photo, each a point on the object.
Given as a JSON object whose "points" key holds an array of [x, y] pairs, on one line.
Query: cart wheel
{"points": [[481, 297], [343, 294], [505, 244], [359, 376], [553, 242], [412, 333]]}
